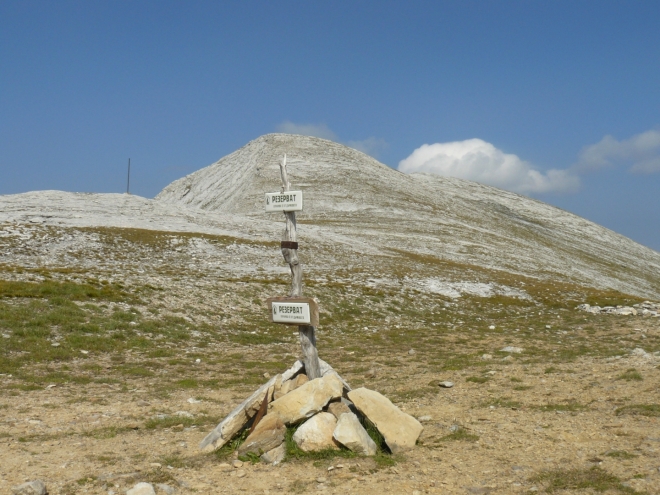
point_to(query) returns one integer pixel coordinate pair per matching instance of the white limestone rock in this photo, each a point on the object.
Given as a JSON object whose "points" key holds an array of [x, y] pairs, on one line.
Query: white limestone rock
{"points": [[36, 487], [400, 430], [316, 433], [274, 456], [267, 435], [307, 400], [352, 435], [142, 489]]}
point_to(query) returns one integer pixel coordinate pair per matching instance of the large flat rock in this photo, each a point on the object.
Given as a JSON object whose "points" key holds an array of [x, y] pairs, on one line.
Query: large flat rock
{"points": [[267, 435], [400, 430], [308, 399]]}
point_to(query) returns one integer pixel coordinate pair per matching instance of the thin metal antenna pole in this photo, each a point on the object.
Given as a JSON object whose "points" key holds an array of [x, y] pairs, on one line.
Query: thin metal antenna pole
{"points": [[128, 179]]}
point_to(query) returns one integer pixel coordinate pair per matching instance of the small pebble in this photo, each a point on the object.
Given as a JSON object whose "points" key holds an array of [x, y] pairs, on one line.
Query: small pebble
{"points": [[446, 384], [321, 479], [237, 463], [240, 473], [266, 375], [492, 327], [412, 352]]}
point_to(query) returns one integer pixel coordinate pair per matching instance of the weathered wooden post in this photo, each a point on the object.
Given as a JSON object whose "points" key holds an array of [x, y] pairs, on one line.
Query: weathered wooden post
{"points": [[294, 309]]}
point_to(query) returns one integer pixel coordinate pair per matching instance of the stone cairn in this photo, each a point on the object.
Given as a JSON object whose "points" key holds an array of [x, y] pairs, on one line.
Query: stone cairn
{"points": [[310, 395], [647, 308]]}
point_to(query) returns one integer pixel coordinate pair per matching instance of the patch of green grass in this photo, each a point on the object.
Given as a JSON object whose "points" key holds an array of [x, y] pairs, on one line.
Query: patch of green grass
{"points": [[520, 388], [187, 383], [68, 290], [515, 379], [230, 447], [566, 407], [85, 480], [384, 460], [595, 478], [177, 461], [620, 454], [168, 422], [136, 371], [461, 435], [250, 457], [650, 410], [107, 432], [630, 374], [162, 352]]}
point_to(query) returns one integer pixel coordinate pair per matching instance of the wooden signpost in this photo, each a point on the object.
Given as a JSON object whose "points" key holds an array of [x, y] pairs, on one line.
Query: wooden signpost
{"points": [[295, 309]]}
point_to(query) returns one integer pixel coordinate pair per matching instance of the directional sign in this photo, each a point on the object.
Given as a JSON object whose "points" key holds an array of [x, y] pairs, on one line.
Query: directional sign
{"points": [[287, 201], [294, 310]]}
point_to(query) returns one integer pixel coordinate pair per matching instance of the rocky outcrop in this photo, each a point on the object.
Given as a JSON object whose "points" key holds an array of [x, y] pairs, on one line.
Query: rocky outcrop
{"points": [[647, 308]]}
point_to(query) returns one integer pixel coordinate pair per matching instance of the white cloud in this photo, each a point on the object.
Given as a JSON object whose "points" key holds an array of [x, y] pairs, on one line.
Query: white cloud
{"points": [[371, 146], [315, 130], [477, 160], [641, 153]]}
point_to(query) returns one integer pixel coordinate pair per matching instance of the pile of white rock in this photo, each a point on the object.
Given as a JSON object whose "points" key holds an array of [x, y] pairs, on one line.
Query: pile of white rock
{"points": [[647, 308], [325, 410]]}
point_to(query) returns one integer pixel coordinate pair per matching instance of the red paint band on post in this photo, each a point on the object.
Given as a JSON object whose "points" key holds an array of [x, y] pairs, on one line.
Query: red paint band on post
{"points": [[289, 245]]}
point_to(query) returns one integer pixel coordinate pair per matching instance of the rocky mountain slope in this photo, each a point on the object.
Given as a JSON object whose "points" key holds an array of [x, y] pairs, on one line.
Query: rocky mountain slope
{"points": [[373, 207]]}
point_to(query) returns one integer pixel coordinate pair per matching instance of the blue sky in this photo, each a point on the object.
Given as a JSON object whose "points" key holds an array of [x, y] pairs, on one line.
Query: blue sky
{"points": [[556, 100]]}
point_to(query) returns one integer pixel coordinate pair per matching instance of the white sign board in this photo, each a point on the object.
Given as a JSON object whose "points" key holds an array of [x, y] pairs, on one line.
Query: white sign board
{"points": [[291, 312], [287, 201]]}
